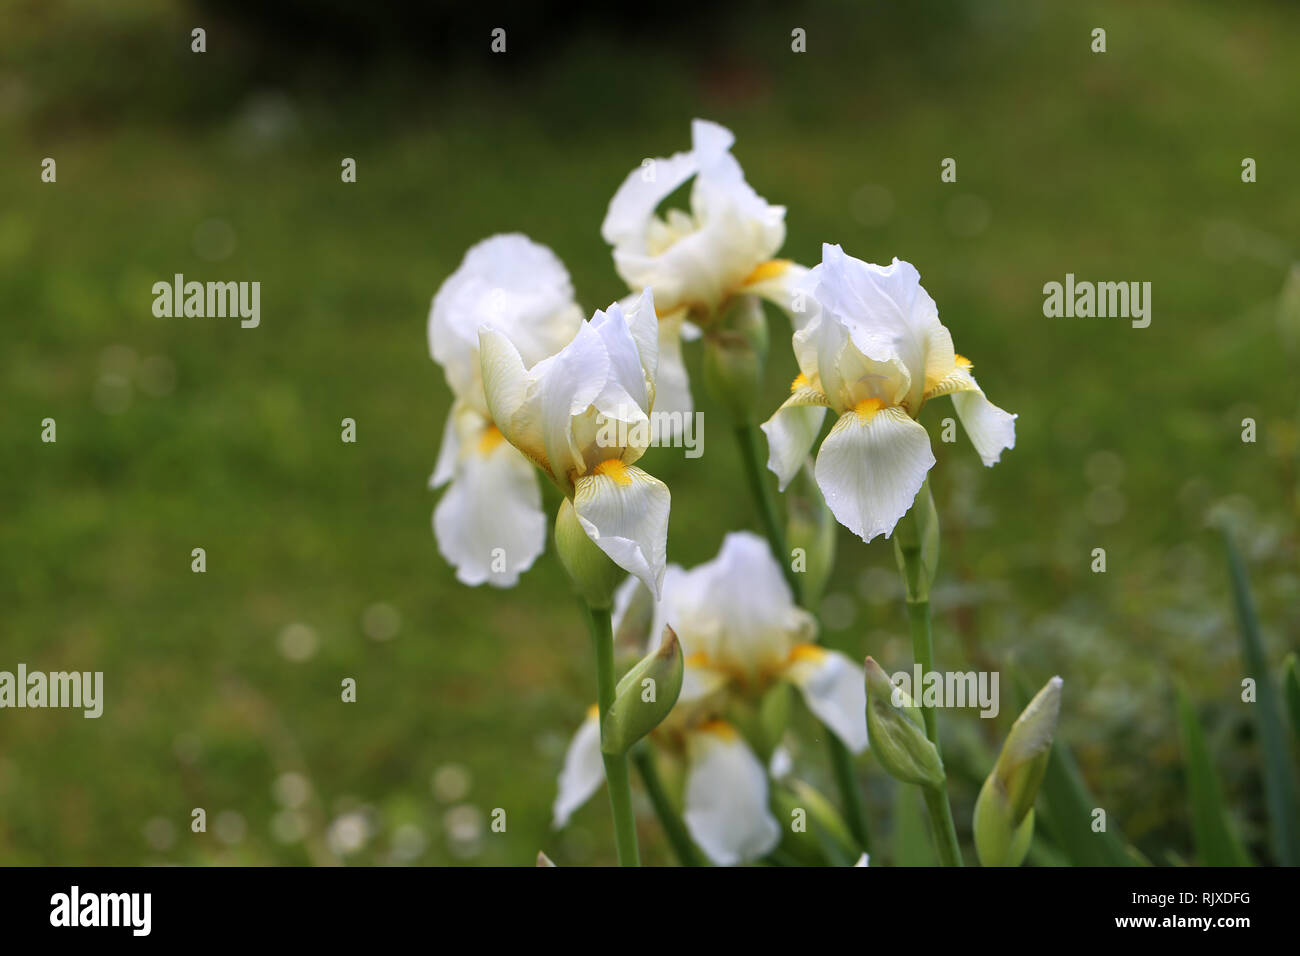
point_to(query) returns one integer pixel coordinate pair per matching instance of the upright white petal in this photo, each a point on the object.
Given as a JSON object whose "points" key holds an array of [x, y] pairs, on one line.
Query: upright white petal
{"points": [[693, 259], [726, 797], [833, 688], [736, 612], [625, 512], [583, 772], [673, 404], [870, 468], [512, 283], [489, 524]]}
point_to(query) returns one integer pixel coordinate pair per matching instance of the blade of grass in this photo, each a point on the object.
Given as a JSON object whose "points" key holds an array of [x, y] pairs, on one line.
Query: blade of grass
{"points": [[1279, 782], [1216, 842], [1291, 691]]}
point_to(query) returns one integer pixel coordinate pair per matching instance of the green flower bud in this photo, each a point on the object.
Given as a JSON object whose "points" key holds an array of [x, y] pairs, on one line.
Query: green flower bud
{"points": [[644, 696], [735, 352], [916, 546], [1004, 812], [811, 529], [594, 575], [896, 734]]}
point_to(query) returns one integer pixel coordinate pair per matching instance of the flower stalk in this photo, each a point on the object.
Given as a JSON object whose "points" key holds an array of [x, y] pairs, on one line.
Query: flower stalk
{"points": [[916, 544], [674, 829], [841, 759], [616, 773]]}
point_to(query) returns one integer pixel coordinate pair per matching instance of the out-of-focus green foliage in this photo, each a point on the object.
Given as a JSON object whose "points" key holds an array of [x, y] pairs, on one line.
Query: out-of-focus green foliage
{"points": [[223, 689]]}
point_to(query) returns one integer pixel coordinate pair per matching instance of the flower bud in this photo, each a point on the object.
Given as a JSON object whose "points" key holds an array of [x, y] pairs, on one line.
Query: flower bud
{"points": [[895, 732], [1004, 812], [735, 352], [594, 575], [811, 528], [916, 546], [544, 860], [644, 696]]}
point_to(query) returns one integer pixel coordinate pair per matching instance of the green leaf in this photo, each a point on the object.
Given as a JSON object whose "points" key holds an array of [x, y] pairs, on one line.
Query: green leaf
{"points": [[1216, 842], [1069, 816], [1279, 782], [1291, 691]]}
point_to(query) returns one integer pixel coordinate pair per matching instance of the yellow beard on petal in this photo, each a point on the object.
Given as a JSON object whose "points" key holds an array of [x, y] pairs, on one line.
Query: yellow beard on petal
{"points": [[806, 652], [768, 270], [489, 440], [614, 468], [868, 408], [800, 381], [719, 728]]}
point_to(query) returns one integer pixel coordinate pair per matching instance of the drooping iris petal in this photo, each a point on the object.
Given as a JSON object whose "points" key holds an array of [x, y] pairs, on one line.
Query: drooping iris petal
{"points": [[625, 512], [870, 468], [833, 688], [489, 524], [791, 431], [583, 773], [726, 797]]}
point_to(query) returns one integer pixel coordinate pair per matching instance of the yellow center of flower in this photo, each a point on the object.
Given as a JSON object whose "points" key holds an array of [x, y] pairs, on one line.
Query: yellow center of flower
{"points": [[489, 440], [806, 652], [768, 270], [962, 361], [719, 728], [614, 468], [800, 381], [868, 407]]}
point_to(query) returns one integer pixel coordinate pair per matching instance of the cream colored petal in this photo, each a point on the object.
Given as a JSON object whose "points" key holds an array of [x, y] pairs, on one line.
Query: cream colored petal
{"points": [[583, 772], [727, 797], [791, 431], [833, 688], [489, 524], [990, 428], [448, 452], [625, 512], [870, 469]]}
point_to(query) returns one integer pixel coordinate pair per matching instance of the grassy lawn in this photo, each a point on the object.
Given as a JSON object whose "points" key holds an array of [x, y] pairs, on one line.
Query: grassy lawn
{"points": [[175, 434]]}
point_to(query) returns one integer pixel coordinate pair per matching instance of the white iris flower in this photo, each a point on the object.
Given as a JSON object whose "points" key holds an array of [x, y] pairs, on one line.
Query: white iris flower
{"points": [[874, 351], [741, 633], [489, 524], [583, 417], [696, 261]]}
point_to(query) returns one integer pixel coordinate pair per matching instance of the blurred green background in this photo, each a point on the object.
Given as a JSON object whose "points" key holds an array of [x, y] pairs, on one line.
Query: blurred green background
{"points": [[222, 689]]}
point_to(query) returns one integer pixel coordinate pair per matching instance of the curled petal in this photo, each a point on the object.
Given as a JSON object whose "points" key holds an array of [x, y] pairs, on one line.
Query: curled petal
{"points": [[833, 688], [791, 431], [625, 512]]}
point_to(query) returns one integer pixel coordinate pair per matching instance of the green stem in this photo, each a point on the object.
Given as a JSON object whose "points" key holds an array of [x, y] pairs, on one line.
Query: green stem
{"points": [[841, 759], [936, 800], [854, 815], [936, 803], [616, 776], [755, 471], [678, 837]]}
